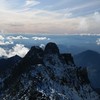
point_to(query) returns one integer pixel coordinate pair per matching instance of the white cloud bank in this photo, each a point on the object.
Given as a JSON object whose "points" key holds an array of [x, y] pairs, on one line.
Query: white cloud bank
{"points": [[2, 42], [3, 52], [16, 37], [1, 37], [10, 39], [18, 49], [40, 38], [98, 41], [5, 42]]}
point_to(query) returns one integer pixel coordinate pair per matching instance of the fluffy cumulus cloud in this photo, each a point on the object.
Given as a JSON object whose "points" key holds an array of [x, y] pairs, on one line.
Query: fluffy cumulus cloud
{"points": [[1, 37], [18, 49], [6, 40], [98, 41], [2, 42], [3, 52], [40, 38]]}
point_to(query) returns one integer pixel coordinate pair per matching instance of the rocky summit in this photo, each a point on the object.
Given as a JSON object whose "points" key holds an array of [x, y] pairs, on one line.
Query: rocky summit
{"points": [[47, 75]]}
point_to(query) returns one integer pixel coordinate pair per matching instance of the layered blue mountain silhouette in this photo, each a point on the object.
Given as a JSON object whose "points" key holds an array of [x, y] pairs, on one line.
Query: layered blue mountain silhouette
{"points": [[91, 60]]}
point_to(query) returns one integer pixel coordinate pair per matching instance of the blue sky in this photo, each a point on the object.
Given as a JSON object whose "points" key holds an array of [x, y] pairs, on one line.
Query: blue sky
{"points": [[50, 16]]}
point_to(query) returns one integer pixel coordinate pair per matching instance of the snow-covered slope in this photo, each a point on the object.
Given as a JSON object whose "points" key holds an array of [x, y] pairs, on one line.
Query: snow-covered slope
{"points": [[46, 75]]}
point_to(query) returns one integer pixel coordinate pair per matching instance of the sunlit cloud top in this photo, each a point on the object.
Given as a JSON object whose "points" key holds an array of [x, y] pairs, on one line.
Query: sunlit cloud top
{"points": [[50, 16]]}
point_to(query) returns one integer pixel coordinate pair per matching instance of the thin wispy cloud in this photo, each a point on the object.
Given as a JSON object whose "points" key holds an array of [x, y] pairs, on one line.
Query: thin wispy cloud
{"points": [[59, 16], [31, 3], [40, 38], [20, 37]]}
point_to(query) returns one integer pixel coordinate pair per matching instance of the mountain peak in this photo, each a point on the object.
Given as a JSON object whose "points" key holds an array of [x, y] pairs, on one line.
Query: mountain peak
{"points": [[51, 48], [90, 52], [44, 75]]}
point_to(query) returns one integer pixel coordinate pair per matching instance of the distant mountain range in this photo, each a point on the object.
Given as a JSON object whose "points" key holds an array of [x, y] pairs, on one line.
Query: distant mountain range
{"points": [[91, 60], [46, 75], [88, 58]]}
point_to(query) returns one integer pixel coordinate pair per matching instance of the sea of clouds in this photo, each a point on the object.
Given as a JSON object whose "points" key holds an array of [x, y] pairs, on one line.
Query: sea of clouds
{"points": [[17, 48], [11, 44]]}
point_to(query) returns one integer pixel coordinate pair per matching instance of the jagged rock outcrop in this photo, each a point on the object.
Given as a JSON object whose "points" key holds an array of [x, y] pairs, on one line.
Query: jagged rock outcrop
{"points": [[34, 56], [7, 63], [82, 75], [51, 48], [47, 75], [68, 58]]}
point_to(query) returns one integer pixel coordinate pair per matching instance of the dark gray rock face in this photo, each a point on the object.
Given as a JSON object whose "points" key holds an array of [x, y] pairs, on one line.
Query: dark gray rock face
{"points": [[51, 48], [68, 58], [34, 56]]}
